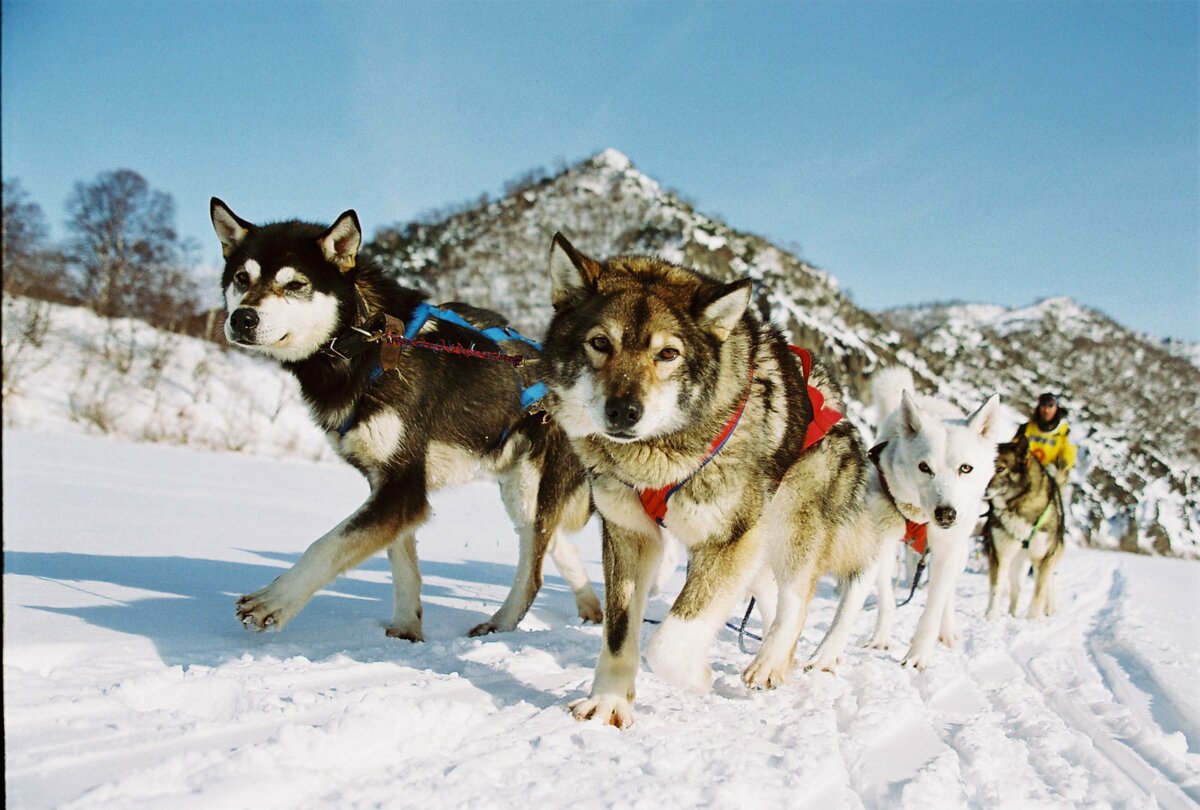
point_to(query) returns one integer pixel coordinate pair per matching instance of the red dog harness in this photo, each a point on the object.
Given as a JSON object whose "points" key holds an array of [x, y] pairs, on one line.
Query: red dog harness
{"points": [[654, 501], [823, 418]]}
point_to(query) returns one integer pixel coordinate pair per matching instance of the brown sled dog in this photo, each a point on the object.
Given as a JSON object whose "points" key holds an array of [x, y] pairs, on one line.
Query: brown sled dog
{"points": [[1025, 525], [675, 395]]}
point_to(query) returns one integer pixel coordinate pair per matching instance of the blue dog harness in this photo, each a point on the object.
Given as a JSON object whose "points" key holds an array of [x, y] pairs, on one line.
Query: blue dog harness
{"points": [[421, 315]]}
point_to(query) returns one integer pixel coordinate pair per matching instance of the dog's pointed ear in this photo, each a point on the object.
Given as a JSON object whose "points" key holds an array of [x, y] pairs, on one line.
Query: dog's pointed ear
{"points": [[231, 229], [722, 310], [910, 415], [1022, 448], [570, 270], [340, 243], [986, 420]]}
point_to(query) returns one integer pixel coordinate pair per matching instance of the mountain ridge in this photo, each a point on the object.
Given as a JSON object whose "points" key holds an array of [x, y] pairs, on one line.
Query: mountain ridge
{"points": [[1139, 473]]}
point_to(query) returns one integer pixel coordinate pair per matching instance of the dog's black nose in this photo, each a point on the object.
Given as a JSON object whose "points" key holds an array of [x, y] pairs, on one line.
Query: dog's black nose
{"points": [[243, 320], [945, 516], [622, 413]]}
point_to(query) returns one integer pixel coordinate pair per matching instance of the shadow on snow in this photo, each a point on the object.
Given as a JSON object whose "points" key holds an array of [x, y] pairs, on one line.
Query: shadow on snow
{"points": [[193, 622]]}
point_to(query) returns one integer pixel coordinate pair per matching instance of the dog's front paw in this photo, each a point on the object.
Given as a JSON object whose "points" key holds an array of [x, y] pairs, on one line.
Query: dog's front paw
{"points": [[675, 657], [487, 628], [589, 607], [950, 635], [765, 674], [879, 642], [612, 710], [917, 657], [268, 609], [404, 632], [823, 662]]}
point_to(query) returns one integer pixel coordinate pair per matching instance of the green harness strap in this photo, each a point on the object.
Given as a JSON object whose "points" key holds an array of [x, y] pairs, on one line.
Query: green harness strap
{"points": [[1041, 521]]}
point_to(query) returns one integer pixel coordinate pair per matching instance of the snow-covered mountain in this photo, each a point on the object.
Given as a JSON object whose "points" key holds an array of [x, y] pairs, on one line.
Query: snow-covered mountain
{"points": [[1135, 400], [1133, 403]]}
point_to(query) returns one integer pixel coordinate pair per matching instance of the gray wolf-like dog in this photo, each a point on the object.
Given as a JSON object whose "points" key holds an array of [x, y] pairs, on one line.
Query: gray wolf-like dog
{"points": [[691, 417], [1025, 525]]}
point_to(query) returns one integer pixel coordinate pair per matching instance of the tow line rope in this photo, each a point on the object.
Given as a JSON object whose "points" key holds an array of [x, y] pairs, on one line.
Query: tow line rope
{"points": [[1041, 521]]}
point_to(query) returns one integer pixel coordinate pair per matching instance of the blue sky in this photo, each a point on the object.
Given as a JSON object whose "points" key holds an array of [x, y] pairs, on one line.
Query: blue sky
{"points": [[998, 152]]}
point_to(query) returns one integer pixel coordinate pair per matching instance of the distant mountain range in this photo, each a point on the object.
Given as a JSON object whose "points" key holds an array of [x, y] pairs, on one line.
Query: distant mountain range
{"points": [[1134, 401]]}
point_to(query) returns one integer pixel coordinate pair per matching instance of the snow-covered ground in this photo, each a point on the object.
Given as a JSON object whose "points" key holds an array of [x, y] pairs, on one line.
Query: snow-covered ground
{"points": [[128, 682]]}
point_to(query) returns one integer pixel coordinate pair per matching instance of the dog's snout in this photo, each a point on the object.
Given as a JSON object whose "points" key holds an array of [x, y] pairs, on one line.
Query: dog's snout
{"points": [[243, 320], [622, 413], [945, 516]]}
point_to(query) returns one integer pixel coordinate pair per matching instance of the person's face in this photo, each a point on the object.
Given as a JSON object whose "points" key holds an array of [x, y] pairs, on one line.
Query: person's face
{"points": [[1047, 412]]}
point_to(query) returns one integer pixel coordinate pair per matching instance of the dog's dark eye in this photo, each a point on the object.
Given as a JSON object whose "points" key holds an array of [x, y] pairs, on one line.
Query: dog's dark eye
{"points": [[964, 469], [1000, 469], [923, 467], [668, 354], [242, 279], [294, 286], [601, 344]]}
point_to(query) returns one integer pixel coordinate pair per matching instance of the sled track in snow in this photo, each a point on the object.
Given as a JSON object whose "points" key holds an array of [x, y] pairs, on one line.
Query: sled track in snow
{"points": [[1130, 754]]}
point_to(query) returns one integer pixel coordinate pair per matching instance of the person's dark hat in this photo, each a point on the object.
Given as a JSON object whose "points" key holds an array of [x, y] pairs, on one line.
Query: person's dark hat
{"points": [[1047, 399]]}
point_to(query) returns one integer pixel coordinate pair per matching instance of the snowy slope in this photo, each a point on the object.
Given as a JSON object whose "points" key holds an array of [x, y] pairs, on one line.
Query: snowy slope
{"points": [[128, 683], [66, 369]]}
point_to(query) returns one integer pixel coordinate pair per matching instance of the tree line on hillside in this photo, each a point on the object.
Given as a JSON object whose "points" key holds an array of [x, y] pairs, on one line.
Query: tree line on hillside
{"points": [[122, 255]]}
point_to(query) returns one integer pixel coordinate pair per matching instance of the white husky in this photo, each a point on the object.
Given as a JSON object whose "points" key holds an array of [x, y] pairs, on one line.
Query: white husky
{"points": [[931, 467]]}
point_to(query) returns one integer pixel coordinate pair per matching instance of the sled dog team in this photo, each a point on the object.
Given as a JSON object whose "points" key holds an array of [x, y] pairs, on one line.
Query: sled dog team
{"points": [[672, 408]]}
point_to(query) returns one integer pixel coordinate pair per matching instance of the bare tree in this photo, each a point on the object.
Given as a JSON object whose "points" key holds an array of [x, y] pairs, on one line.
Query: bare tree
{"points": [[127, 257], [31, 266]]}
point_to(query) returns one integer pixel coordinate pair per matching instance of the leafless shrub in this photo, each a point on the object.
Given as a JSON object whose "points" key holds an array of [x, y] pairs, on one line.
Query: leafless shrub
{"points": [[26, 324], [91, 405]]}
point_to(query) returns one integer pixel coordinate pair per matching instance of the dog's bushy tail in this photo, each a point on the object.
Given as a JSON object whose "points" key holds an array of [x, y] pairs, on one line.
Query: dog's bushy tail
{"points": [[887, 386]]}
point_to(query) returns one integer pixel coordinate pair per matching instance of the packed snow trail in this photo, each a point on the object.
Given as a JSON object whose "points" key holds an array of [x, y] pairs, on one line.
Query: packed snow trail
{"points": [[128, 682]]}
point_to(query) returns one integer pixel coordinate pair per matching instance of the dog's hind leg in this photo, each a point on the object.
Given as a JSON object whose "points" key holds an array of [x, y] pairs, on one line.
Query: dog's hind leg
{"points": [[406, 589], [1042, 603], [996, 574], [854, 593], [567, 561], [765, 591], [396, 506], [769, 668], [1016, 568], [630, 562], [885, 592], [566, 555], [519, 488]]}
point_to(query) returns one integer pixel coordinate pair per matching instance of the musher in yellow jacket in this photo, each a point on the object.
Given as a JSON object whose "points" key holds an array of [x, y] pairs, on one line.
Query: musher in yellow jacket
{"points": [[1050, 439]]}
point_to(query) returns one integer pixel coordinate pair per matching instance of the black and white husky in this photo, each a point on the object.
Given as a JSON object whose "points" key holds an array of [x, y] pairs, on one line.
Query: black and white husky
{"points": [[295, 292]]}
